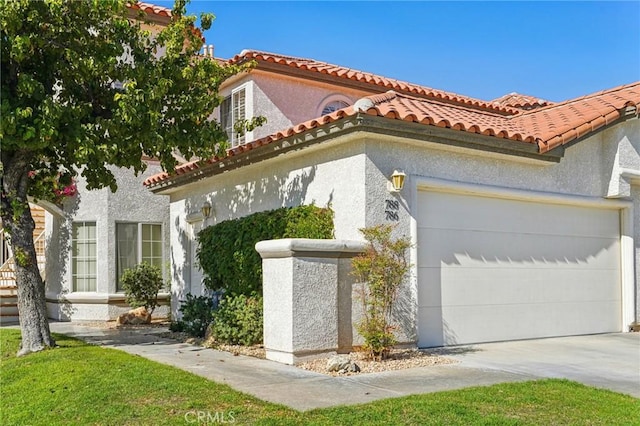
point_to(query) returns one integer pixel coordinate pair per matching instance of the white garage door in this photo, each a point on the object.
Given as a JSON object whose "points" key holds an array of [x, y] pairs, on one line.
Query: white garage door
{"points": [[492, 269]]}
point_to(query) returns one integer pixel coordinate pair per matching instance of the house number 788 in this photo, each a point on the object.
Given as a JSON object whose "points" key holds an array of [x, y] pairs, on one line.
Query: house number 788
{"points": [[392, 207]]}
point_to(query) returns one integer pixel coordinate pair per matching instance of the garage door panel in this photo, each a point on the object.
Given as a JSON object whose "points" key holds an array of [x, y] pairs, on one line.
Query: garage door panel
{"points": [[495, 269], [479, 248], [492, 323], [464, 287], [459, 211]]}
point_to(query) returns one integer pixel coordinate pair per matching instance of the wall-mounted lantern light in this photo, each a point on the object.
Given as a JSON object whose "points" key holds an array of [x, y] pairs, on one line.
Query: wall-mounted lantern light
{"points": [[397, 181], [206, 209]]}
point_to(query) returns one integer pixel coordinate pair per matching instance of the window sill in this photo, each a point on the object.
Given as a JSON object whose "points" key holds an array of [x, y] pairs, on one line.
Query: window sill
{"points": [[95, 298]]}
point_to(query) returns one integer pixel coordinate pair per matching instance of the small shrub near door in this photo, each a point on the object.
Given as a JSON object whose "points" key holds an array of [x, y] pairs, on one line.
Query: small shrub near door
{"points": [[196, 316], [141, 285], [238, 320]]}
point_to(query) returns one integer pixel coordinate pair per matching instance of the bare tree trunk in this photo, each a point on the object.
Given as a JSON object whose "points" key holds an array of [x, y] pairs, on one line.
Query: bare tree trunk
{"points": [[18, 224], [32, 307]]}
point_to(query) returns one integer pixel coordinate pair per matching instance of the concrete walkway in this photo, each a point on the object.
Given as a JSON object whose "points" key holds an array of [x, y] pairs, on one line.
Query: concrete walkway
{"points": [[305, 390]]}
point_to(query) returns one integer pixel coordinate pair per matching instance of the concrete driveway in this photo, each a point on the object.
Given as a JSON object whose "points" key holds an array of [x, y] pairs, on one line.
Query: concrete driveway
{"points": [[609, 361]]}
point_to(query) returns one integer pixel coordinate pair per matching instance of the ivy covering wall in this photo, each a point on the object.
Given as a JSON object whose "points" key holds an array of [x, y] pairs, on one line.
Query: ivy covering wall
{"points": [[226, 251]]}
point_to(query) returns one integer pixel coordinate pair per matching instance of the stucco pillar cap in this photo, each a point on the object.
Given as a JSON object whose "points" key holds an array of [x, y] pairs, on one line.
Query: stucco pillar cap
{"points": [[305, 247]]}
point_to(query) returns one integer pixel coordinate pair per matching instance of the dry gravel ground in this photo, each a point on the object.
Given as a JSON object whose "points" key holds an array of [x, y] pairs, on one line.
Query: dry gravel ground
{"points": [[399, 359]]}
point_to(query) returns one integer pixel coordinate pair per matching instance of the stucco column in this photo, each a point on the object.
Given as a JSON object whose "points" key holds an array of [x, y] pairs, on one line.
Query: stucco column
{"points": [[307, 297]]}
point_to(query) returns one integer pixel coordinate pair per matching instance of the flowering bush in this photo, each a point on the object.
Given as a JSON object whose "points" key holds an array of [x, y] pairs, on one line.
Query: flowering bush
{"points": [[53, 187], [67, 191]]}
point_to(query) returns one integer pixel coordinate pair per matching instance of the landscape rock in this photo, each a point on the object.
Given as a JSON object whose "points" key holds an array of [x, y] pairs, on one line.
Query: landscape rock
{"points": [[338, 363], [135, 317]]}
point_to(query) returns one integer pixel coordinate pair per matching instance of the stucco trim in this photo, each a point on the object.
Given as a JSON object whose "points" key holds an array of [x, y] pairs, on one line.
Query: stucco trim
{"points": [[630, 174], [50, 207], [444, 185], [363, 123], [252, 156], [97, 299], [627, 266], [456, 138], [304, 247], [625, 207]]}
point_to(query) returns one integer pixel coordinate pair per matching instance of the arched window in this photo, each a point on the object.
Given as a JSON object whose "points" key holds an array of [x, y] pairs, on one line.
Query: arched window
{"points": [[333, 106], [332, 103]]}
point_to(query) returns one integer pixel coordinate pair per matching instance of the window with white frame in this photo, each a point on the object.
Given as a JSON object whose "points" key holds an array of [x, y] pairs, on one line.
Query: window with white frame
{"points": [[333, 103], [232, 110], [333, 106], [137, 243], [84, 256]]}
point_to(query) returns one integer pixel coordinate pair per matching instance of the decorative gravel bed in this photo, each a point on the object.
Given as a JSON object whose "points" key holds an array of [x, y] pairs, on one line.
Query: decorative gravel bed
{"points": [[399, 359]]}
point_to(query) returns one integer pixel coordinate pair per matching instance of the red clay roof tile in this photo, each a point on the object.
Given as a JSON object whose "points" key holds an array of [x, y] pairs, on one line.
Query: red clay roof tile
{"points": [[369, 78], [518, 100], [548, 126], [561, 123], [151, 9]]}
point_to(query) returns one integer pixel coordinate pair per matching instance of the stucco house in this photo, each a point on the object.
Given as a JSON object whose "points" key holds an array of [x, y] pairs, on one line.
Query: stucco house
{"points": [[85, 243], [523, 213], [98, 234]]}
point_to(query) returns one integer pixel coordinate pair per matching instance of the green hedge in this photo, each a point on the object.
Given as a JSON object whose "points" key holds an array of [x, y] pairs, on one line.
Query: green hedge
{"points": [[226, 251]]}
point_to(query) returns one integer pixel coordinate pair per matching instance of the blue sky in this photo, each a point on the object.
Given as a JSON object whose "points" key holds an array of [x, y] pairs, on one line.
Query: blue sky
{"points": [[552, 50]]}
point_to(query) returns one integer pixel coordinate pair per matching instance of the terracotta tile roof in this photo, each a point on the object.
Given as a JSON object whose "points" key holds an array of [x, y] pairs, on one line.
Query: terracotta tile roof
{"points": [[518, 100], [151, 9], [408, 108], [547, 127], [378, 81], [561, 123]]}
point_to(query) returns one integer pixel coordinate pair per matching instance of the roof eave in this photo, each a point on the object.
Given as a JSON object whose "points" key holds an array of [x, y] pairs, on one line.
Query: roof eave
{"points": [[364, 123], [559, 142], [252, 156], [457, 138], [627, 113], [149, 17]]}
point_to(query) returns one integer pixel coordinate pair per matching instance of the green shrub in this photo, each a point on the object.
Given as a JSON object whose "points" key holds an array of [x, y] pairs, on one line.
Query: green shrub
{"points": [[196, 316], [141, 285], [238, 320], [226, 251], [380, 271]]}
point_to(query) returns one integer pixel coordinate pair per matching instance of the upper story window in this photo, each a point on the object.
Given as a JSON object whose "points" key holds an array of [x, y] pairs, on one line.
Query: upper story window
{"points": [[333, 103], [234, 108], [334, 106]]}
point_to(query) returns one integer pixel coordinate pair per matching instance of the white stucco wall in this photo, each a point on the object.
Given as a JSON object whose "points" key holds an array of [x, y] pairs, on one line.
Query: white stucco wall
{"points": [[622, 158], [131, 203], [327, 175], [284, 100], [351, 173], [587, 169]]}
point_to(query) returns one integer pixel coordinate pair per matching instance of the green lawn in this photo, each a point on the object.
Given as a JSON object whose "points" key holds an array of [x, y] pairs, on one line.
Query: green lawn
{"points": [[83, 384]]}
